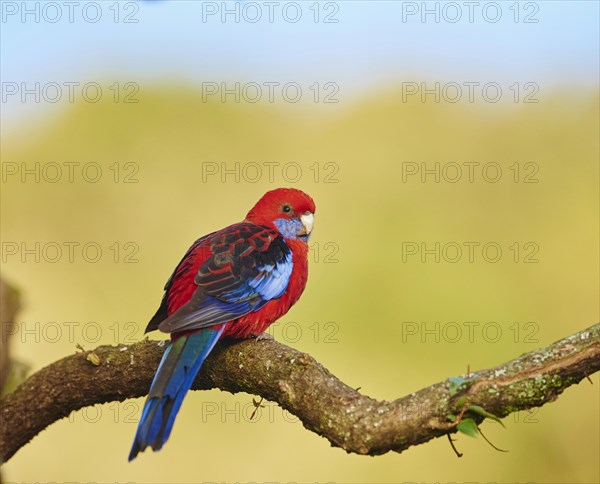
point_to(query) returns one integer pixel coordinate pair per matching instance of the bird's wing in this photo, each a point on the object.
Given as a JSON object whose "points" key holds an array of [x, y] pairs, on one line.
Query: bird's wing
{"points": [[250, 265]]}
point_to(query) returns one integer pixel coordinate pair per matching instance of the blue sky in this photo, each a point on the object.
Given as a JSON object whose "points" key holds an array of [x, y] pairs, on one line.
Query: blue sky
{"points": [[372, 43]]}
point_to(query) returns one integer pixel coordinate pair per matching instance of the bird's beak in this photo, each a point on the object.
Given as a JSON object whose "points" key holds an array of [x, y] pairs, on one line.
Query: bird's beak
{"points": [[308, 220]]}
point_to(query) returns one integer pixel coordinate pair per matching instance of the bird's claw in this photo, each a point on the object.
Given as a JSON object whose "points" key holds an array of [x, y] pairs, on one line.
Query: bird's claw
{"points": [[265, 336]]}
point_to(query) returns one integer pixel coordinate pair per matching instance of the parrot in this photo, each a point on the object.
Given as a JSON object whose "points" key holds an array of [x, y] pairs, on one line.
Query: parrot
{"points": [[232, 283]]}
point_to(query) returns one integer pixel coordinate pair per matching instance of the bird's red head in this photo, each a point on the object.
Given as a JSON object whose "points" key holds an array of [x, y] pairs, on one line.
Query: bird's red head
{"points": [[288, 210]]}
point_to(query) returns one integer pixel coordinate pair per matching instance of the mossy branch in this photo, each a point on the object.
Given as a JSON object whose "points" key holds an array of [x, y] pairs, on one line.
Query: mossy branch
{"points": [[301, 385]]}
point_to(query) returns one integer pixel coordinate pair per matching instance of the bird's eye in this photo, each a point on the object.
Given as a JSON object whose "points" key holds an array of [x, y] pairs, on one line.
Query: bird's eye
{"points": [[286, 209]]}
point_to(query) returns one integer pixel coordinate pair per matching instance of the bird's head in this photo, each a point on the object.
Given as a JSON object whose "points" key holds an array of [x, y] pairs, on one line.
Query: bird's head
{"points": [[290, 211]]}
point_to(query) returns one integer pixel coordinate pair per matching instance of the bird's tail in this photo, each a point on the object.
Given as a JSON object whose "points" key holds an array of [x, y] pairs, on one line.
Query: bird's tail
{"points": [[178, 368]]}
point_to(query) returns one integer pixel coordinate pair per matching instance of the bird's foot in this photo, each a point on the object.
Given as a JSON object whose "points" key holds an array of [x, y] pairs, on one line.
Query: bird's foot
{"points": [[265, 336]]}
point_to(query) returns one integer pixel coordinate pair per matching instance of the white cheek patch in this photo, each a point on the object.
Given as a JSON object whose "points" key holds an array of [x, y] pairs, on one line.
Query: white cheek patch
{"points": [[308, 220]]}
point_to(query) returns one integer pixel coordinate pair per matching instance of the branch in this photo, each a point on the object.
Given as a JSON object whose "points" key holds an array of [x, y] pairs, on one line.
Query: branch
{"points": [[9, 306], [301, 385]]}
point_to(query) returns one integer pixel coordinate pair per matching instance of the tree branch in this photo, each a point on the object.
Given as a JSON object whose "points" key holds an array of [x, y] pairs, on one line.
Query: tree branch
{"points": [[9, 306], [325, 405]]}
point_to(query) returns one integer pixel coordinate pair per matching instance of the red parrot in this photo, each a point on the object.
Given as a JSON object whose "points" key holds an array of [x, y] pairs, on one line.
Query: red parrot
{"points": [[232, 283]]}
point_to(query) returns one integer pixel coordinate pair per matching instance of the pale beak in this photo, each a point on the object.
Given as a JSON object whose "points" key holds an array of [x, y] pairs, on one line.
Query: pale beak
{"points": [[308, 220]]}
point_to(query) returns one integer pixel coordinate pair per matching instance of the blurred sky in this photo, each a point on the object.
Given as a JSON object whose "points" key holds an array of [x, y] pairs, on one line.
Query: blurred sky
{"points": [[552, 43]]}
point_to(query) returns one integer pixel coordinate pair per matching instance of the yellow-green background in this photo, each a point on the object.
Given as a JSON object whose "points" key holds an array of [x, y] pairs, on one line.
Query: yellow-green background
{"points": [[368, 293]]}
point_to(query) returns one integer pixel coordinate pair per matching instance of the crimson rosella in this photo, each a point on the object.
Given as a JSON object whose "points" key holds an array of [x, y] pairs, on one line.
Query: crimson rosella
{"points": [[232, 283]]}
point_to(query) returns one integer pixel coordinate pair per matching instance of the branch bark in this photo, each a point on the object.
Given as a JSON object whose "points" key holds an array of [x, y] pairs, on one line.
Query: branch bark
{"points": [[301, 385], [9, 306]]}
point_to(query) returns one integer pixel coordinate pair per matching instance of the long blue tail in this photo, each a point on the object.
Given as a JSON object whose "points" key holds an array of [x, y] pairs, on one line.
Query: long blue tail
{"points": [[178, 368]]}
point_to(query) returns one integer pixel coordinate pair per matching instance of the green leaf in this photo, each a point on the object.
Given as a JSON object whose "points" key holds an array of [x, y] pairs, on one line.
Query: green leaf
{"points": [[484, 413], [455, 382], [468, 426]]}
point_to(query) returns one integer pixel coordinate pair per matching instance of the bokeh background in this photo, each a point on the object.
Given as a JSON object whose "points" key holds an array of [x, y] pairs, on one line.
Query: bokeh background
{"points": [[156, 158]]}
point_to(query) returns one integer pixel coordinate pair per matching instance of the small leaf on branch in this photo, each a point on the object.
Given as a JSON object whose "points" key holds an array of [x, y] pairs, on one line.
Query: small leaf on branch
{"points": [[468, 427], [484, 413]]}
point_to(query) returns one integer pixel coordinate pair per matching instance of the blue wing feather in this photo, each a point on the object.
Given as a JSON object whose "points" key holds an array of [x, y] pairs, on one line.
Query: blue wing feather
{"points": [[272, 280]]}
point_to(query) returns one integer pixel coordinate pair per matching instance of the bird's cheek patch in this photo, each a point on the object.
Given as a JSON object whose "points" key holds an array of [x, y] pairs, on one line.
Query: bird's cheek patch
{"points": [[289, 228]]}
